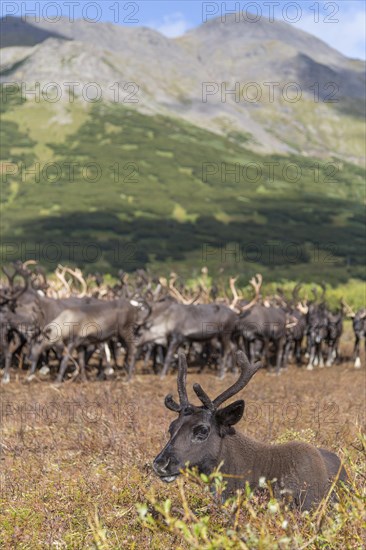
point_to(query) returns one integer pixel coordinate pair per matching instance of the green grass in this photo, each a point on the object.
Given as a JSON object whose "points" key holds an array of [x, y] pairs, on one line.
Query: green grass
{"points": [[158, 209], [248, 521]]}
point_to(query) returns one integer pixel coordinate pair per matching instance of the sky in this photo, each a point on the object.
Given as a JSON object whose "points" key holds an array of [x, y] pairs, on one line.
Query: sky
{"points": [[341, 23]]}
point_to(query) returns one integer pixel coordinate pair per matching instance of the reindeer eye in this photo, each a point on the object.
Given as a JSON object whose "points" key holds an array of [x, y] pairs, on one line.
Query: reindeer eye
{"points": [[200, 433]]}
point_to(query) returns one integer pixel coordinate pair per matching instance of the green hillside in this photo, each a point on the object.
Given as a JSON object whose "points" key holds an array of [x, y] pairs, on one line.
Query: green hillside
{"points": [[129, 190]]}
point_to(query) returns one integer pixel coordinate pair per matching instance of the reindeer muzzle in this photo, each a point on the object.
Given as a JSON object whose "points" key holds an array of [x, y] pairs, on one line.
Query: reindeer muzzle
{"points": [[161, 466]]}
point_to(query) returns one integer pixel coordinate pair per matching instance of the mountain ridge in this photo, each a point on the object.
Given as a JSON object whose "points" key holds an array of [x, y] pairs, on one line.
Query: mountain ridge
{"points": [[175, 175], [222, 54]]}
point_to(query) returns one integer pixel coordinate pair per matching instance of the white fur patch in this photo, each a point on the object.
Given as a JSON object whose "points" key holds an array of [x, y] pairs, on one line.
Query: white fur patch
{"points": [[107, 352], [358, 363], [44, 370]]}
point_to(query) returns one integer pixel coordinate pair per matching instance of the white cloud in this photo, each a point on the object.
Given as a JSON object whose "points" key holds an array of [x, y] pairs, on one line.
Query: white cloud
{"points": [[347, 36], [173, 25]]}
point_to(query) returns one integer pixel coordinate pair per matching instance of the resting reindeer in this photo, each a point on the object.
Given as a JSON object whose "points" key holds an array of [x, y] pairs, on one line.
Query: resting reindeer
{"points": [[204, 437]]}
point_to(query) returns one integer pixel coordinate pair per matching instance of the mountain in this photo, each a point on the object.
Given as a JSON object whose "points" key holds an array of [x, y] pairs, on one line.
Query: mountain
{"points": [[171, 73], [16, 32], [173, 175]]}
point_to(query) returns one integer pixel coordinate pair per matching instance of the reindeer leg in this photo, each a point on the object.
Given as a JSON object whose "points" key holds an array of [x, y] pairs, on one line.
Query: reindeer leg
{"points": [[226, 348], [158, 357], [308, 348], [280, 344], [131, 358], [172, 348], [311, 357], [81, 361], [298, 352], [66, 356], [8, 357], [151, 351], [247, 348], [356, 353], [320, 356], [108, 371], [336, 354], [286, 354], [160, 354], [266, 360], [34, 358], [330, 357], [11, 348]]}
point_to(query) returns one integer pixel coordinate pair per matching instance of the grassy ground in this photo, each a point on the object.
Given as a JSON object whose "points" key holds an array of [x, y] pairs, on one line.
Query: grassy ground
{"points": [[76, 464]]}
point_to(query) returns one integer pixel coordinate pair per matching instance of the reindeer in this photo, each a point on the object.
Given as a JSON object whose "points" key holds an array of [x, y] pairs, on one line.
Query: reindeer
{"points": [[296, 313], [317, 329], [261, 324], [359, 329], [335, 329], [93, 324], [171, 324], [204, 437]]}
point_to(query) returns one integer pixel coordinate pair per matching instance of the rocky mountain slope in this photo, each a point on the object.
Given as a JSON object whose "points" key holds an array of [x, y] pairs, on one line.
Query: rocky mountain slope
{"points": [[162, 178], [169, 77]]}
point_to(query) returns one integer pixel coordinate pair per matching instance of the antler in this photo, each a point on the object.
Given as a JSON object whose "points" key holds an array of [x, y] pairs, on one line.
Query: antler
{"points": [[291, 321], [173, 291], [303, 308], [256, 283], [247, 370], [204, 279], [18, 270], [39, 281], [295, 292], [29, 262], [349, 310], [9, 276], [234, 292], [182, 390], [203, 397], [279, 298], [60, 274], [76, 273]]}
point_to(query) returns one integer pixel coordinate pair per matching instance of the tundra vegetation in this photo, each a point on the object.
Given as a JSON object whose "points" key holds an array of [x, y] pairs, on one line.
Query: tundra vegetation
{"points": [[76, 458], [76, 465], [141, 205]]}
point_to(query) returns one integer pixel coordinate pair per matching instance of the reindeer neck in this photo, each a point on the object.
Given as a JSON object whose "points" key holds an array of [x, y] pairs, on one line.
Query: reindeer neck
{"points": [[245, 459]]}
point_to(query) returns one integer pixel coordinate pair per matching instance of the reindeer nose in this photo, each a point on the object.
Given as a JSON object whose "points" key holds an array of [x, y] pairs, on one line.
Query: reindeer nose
{"points": [[160, 465]]}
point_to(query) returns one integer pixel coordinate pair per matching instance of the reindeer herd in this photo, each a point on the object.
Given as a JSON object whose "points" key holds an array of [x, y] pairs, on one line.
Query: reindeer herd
{"points": [[73, 326]]}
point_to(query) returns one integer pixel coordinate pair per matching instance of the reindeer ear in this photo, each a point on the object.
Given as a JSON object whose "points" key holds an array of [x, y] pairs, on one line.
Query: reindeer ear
{"points": [[230, 415]]}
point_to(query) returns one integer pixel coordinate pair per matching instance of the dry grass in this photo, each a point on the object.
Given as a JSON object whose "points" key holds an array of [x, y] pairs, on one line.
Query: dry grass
{"points": [[76, 462]]}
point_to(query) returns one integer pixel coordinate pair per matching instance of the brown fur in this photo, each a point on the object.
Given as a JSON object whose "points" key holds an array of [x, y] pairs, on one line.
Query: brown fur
{"points": [[296, 470], [204, 437]]}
